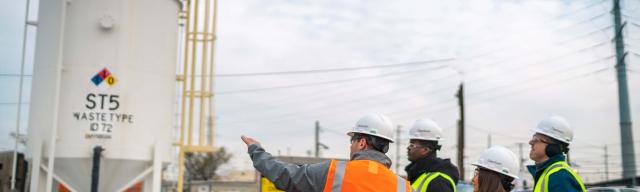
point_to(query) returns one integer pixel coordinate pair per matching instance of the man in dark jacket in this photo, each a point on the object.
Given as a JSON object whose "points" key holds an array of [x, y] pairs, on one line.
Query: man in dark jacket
{"points": [[548, 146], [426, 170]]}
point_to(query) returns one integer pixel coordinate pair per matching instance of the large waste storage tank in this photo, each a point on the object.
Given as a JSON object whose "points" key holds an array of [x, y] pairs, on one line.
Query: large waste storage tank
{"points": [[104, 76]]}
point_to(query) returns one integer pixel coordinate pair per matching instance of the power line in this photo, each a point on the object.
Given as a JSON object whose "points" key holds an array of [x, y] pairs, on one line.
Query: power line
{"points": [[551, 82], [587, 34], [392, 65], [444, 101], [537, 77], [322, 93], [510, 59], [392, 113], [326, 111], [578, 38], [495, 133], [550, 59], [416, 63], [542, 76], [326, 82], [557, 29], [357, 100], [580, 9]]}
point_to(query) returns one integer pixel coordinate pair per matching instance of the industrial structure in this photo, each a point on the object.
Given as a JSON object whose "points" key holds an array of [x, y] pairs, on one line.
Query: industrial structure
{"points": [[100, 66]]}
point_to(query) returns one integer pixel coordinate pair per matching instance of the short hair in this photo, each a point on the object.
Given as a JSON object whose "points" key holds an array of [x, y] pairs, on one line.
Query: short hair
{"points": [[432, 145], [376, 143], [562, 146]]}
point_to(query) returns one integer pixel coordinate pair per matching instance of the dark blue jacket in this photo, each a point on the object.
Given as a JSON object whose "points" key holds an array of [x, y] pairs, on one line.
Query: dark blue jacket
{"points": [[432, 163], [558, 181]]}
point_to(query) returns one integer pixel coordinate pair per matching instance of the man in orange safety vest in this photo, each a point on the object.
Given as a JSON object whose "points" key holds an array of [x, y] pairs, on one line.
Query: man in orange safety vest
{"points": [[368, 170]]}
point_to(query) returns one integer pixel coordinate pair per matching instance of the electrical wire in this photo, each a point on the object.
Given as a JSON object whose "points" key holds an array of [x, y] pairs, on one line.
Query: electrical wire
{"points": [[416, 63], [545, 84], [327, 82]]}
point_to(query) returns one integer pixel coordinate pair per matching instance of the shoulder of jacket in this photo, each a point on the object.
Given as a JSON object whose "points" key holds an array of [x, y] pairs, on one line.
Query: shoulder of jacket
{"points": [[561, 172], [561, 176]]}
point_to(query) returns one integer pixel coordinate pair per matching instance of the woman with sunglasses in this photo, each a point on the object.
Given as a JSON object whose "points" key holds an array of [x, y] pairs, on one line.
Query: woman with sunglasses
{"points": [[496, 169]]}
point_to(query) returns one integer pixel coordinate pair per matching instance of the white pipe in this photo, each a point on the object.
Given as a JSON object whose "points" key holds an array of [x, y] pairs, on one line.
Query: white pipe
{"points": [[157, 169], [56, 103], [15, 147], [37, 158]]}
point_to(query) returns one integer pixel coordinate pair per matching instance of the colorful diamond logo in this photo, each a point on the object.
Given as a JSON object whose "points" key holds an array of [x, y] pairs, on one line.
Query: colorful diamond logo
{"points": [[104, 75], [111, 80], [96, 79]]}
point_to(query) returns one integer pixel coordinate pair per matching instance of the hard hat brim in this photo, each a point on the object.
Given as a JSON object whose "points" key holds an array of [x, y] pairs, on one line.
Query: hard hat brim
{"points": [[538, 130], [477, 164], [350, 133], [424, 139]]}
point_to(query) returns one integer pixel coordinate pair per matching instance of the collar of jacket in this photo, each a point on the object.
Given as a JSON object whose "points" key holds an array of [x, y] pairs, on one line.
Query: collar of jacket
{"points": [[426, 164], [372, 155], [537, 169]]}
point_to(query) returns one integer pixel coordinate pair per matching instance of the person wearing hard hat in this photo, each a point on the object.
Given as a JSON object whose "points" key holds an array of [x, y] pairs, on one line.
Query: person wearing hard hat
{"points": [[549, 145], [368, 169], [427, 172], [495, 171]]}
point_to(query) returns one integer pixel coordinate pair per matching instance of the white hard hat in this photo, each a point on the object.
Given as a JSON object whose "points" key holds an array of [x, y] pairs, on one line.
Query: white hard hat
{"points": [[374, 124], [555, 127], [425, 129], [499, 159]]}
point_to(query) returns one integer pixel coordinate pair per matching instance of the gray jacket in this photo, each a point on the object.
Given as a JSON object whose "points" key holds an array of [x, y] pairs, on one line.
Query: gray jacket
{"points": [[309, 177]]}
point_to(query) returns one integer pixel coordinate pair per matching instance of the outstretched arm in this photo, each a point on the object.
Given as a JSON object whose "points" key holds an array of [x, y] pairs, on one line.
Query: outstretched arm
{"points": [[287, 176]]}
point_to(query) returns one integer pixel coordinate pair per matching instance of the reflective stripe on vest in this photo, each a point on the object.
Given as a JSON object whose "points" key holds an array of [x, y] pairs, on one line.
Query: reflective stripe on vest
{"points": [[338, 179], [422, 183], [543, 182], [338, 176]]}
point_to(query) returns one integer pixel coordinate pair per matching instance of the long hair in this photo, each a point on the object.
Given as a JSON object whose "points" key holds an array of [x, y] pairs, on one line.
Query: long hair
{"points": [[490, 181]]}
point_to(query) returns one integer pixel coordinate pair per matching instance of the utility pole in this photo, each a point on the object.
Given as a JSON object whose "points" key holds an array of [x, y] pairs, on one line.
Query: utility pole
{"points": [[460, 96], [398, 149], [524, 182], [606, 163], [488, 140], [521, 157], [626, 134], [317, 139]]}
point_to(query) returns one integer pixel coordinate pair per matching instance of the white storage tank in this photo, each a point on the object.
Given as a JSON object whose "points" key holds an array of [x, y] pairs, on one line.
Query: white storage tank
{"points": [[104, 76]]}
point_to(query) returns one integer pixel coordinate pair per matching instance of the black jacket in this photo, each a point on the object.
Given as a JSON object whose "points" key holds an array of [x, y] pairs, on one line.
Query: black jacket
{"points": [[432, 163]]}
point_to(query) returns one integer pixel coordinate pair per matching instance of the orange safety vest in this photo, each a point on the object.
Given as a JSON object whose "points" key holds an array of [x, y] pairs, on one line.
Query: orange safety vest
{"points": [[363, 175]]}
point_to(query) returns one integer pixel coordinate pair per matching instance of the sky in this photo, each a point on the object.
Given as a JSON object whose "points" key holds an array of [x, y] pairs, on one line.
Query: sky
{"points": [[519, 61]]}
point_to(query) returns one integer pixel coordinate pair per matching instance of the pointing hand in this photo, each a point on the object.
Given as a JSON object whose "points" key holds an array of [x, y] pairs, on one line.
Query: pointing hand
{"points": [[249, 140]]}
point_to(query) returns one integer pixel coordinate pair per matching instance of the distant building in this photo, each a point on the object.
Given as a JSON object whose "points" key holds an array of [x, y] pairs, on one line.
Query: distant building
{"points": [[6, 165], [240, 175], [214, 186], [241, 180]]}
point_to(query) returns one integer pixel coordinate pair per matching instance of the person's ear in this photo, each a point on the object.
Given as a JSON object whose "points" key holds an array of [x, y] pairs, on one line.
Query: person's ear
{"points": [[425, 151], [361, 144]]}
